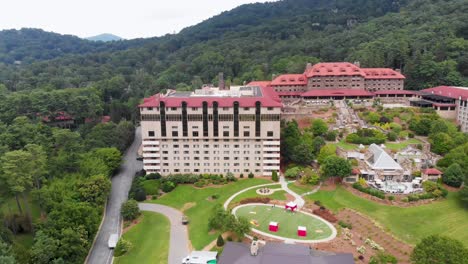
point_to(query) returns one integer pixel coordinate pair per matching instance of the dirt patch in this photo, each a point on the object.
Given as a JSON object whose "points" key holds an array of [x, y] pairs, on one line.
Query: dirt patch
{"points": [[451, 189], [129, 224], [187, 206], [328, 185]]}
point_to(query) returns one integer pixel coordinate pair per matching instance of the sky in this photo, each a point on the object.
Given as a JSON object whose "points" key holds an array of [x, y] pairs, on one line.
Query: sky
{"points": [[124, 18]]}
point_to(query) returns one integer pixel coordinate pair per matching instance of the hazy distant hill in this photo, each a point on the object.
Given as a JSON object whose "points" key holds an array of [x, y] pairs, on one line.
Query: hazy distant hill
{"points": [[105, 37]]}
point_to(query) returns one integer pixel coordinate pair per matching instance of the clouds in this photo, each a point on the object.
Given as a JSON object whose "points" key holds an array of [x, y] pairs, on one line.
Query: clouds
{"points": [[125, 18]]}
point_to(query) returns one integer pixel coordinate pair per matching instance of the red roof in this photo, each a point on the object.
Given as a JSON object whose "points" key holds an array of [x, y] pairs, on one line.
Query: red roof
{"points": [[355, 171], [259, 83], [381, 73], [449, 91], [59, 116], [290, 79], [432, 171], [336, 92], [268, 99], [333, 69], [394, 92]]}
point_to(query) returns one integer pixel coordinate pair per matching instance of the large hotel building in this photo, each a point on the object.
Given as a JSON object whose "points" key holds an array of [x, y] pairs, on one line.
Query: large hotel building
{"points": [[212, 131]]}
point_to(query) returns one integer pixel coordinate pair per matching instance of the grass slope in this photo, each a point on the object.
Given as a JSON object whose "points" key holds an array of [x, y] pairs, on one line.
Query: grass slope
{"points": [[199, 206], [150, 239], [445, 217], [300, 188]]}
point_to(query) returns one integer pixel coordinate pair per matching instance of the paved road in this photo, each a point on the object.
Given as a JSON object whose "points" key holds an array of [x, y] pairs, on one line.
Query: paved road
{"points": [[100, 253], [179, 242]]}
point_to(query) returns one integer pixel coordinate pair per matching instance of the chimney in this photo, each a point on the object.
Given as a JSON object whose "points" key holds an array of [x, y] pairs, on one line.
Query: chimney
{"points": [[308, 66], [221, 83], [254, 248], [357, 63]]}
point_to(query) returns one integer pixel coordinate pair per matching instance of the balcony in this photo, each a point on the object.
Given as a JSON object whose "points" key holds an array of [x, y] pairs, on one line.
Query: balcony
{"points": [[271, 161], [152, 167], [151, 155], [145, 161], [272, 143], [271, 155], [275, 149], [269, 167], [150, 148], [150, 142]]}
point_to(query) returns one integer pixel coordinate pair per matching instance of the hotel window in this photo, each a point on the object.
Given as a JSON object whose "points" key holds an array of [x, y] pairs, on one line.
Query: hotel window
{"points": [[270, 133], [150, 133], [225, 133], [246, 134], [175, 133]]}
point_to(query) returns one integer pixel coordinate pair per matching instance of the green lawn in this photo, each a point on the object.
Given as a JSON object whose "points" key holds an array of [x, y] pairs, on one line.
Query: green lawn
{"points": [[277, 195], [202, 205], [445, 217], [403, 144], [288, 222], [150, 239], [346, 146], [301, 189]]}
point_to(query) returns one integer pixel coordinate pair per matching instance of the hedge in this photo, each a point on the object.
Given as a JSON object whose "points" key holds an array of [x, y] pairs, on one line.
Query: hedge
{"points": [[368, 190]]}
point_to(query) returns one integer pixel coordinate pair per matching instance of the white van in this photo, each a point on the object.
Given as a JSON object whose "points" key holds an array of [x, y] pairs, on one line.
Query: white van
{"points": [[112, 242]]}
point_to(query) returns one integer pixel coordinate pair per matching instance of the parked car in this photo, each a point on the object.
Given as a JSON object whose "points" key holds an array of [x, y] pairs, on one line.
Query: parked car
{"points": [[112, 242]]}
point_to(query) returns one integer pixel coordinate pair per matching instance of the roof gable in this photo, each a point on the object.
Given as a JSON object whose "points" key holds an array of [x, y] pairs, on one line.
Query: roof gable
{"points": [[380, 159]]}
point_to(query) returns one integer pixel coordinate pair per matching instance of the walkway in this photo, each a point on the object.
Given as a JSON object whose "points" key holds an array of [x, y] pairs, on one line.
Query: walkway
{"points": [[100, 252], [179, 241], [228, 201], [313, 191], [298, 199]]}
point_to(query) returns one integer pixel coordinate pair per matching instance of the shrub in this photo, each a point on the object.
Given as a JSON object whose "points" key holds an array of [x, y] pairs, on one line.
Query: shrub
{"points": [[264, 200], [345, 225], [153, 176], [220, 241], [140, 194], [369, 190], [330, 136], [274, 176], [123, 247], [229, 238], [404, 199], [215, 196], [241, 175], [168, 186], [383, 258], [251, 175], [130, 210], [411, 135], [392, 136], [325, 214], [231, 177], [391, 198], [154, 197], [200, 183], [318, 203]]}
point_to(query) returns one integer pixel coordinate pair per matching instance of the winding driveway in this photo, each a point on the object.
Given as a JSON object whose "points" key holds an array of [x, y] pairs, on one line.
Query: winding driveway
{"points": [[179, 241], [100, 253]]}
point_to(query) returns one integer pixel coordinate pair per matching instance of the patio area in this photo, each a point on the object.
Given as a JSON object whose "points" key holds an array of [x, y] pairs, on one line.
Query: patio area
{"points": [[396, 187]]}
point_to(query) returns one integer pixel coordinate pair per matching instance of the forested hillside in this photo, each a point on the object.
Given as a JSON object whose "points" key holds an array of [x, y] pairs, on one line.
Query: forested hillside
{"points": [[426, 38]]}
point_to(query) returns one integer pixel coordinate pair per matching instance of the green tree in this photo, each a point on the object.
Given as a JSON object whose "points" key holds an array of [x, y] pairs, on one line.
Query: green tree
{"points": [[130, 210], [17, 167], [274, 176], [94, 190], [44, 249], [303, 153], [111, 157], [292, 172], [439, 249], [334, 166], [441, 143], [326, 151], [319, 127], [6, 254], [220, 241], [453, 175], [290, 138]]}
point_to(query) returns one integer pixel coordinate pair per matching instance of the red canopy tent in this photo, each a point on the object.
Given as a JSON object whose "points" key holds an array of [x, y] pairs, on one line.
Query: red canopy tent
{"points": [[301, 231], [273, 227], [291, 206]]}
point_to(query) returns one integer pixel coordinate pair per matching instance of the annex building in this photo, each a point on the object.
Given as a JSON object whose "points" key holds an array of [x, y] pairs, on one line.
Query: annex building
{"points": [[334, 80], [212, 130]]}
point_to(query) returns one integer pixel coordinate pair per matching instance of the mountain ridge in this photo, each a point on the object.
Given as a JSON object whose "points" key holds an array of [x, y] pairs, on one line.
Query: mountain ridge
{"points": [[105, 37]]}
